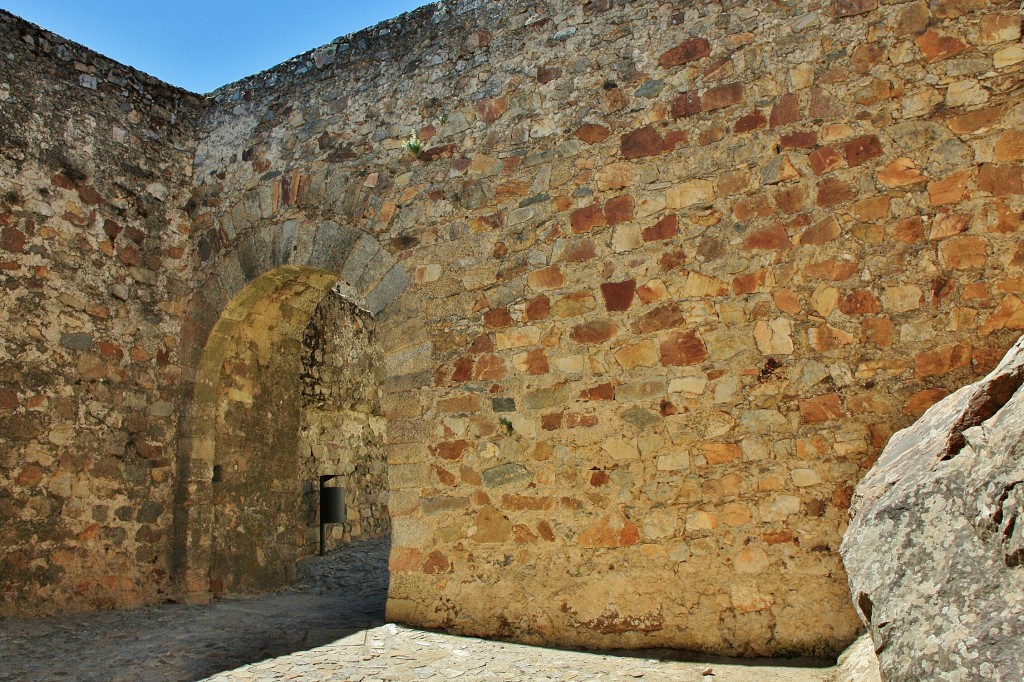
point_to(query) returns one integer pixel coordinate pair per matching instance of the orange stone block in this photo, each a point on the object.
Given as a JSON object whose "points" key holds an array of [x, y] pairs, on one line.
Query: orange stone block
{"points": [[832, 191], [822, 408], [1000, 180], [436, 563], [752, 121], [790, 199], [947, 225], [550, 277], [865, 56], [873, 208], [490, 526], [879, 330], [618, 296], [998, 28], [489, 368], [538, 308], [450, 450], [596, 331], [721, 97], [756, 206], [759, 281], [619, 210], [963, 253], [666, 316], [30, 475], [973, 121], [774, 237], [404, 559], [849, 8], [722, 453], [942, 360], [862, 149], [526, 502], [786, 110], [612, 530], [490, 110], [686, 104], [825, 338], [599, 392], [831, 269], [536, 362], [1010, 146], [444, 476], [824, 159], [799, 140], [683, 348], [900, 173], [641, 354], [922, 400], [578, 251], [909, 230], [949, 190], [685, 52], [666, 228], [642, 142], [734, 182], [935, 45], [825, 231], [1009, 315], [497, 318], [787, 301], [984, 360], [592, 133], [860, 302], [459, 404], [587, 218]]}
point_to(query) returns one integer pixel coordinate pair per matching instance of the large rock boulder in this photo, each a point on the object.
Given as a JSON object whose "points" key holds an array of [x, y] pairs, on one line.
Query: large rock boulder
{"points": [[936, 542]]}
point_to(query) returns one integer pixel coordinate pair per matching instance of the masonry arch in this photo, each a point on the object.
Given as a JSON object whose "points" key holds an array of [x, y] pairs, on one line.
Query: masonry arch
{"points": [[242, 359]]}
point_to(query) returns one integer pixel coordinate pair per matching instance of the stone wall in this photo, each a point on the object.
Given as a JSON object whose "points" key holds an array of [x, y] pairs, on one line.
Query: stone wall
{"points": [[679, 270], [661, 284], [257, 531], [342, 428], [95, 172]]}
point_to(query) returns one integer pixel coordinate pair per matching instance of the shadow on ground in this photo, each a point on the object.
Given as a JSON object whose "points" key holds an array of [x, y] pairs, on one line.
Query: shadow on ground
{"points": [[334, 596]]}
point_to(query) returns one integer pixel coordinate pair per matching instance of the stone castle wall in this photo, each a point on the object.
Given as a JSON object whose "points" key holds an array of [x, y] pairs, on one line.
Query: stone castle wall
{"points": [[677, 271], [95, 173]]}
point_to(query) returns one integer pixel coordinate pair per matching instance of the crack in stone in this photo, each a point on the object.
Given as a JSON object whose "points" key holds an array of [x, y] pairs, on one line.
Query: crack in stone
{"points": [[996, 394]]}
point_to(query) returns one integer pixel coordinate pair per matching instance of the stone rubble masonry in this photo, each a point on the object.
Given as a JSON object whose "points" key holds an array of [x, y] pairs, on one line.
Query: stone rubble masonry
{"points": [[95, 174], [662, 283], [341, 433]]}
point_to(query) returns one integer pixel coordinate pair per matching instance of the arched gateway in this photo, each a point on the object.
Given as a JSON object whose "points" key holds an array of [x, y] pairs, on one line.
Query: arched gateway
{"points": [[237, 525]]}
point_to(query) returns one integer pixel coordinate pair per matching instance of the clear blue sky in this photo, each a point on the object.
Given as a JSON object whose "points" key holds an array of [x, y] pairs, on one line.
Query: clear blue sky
{"points": [[202, 45]]}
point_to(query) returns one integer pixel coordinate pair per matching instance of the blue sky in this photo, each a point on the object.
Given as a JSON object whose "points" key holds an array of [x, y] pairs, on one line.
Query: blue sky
{"points": [[201, 45]]}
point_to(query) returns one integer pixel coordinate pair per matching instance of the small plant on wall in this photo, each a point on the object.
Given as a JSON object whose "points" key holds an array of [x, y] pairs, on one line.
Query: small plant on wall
{"points": [[414, 145]]}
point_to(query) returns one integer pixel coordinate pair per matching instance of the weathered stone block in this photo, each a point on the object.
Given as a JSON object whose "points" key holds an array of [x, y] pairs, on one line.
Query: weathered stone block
{"points": [[687, 51]]}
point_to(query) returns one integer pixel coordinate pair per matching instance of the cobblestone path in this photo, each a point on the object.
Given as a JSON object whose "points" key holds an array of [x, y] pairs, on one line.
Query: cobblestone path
{"points": [[329, 626]]}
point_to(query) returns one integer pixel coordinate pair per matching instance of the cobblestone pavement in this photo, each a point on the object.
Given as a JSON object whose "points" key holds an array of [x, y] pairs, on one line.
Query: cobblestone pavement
{"points": [[329, 626]]}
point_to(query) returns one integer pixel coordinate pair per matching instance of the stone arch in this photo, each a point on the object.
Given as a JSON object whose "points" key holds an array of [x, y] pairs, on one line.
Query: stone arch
{"points": [[292, 264]]}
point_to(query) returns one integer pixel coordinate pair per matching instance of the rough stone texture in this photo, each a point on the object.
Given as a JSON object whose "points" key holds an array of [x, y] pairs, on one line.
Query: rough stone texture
{"points": [[935, 545], [95, 171], [684, 456], [342, 429], [858, 663]]}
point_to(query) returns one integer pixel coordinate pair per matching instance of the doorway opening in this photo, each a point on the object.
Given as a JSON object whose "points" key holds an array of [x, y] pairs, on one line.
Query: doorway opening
{"points": [[287, 390]]}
